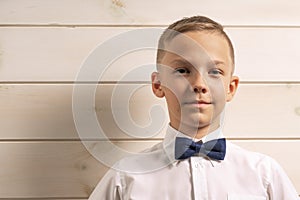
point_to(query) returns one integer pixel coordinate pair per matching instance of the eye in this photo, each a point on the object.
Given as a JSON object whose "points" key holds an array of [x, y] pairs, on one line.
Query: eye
{"points": [[215, 72], [182, 70]]}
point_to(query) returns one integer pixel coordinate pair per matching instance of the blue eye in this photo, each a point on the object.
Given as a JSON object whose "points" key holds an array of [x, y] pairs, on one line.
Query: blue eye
{"points": [[182, 71], [215, 72]]}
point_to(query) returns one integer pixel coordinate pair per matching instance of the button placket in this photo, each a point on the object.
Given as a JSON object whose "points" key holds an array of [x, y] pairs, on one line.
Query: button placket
{"points": [[198, 178]]}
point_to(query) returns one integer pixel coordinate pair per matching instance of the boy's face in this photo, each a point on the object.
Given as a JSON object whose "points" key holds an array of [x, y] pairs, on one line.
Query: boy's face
{"points": [[195, 77]]}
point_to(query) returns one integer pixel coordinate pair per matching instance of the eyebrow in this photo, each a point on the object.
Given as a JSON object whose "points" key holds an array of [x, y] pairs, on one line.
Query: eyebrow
{"points": [[181, 61], [218, 62], [184, 61]]}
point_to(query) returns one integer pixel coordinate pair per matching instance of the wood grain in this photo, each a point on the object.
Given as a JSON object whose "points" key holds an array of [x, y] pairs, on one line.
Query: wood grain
{"points": [[57, 54], [135, 12], [44, 111], [47, 169], [67, 170], [43, 45]]}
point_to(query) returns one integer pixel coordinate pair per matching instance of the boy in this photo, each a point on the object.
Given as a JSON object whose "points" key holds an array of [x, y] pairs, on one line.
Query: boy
{"points": [[195, 64]]}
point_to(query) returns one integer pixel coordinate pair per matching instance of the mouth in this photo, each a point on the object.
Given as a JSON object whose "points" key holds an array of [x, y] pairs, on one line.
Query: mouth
{"points": [[199, 103]]}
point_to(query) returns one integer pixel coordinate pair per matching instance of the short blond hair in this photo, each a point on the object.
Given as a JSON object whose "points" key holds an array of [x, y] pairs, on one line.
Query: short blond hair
{"points": [[195, 23]]}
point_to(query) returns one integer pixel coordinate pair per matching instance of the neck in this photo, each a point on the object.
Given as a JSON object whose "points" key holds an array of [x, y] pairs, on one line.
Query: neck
{"points": [[197, 132]]}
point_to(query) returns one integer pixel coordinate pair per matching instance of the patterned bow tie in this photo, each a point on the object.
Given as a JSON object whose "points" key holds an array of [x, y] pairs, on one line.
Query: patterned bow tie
{"points": [[185, 148]]}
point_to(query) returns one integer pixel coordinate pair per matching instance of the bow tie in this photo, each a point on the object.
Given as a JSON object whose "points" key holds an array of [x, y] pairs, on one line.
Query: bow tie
{"points": [[185, 148]]}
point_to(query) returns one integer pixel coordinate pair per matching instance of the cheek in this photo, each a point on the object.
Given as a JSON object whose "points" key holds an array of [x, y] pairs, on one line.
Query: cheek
{"points": [[176, 88], [217, 91], [172, 101]]}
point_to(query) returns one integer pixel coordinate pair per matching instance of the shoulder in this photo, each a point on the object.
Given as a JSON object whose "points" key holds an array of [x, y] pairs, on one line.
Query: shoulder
{"points": [[266, 168], [240, 155], [155, 147], [234, 151], [149, 160]]}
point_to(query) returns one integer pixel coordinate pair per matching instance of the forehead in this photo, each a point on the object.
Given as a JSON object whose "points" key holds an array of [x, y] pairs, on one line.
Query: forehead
{"points": [[198, 48]]}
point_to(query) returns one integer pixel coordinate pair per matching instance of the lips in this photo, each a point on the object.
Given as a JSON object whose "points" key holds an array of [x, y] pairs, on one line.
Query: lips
{"points": [[202, 102], [199, 103]]}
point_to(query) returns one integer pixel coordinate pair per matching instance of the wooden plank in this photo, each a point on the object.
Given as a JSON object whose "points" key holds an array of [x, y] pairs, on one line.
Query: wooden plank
{"points": [[47, 198], [141, 12], [47, 169], [257, 109], [260, 51], [44, 111], [40, 54], [67, 170]]}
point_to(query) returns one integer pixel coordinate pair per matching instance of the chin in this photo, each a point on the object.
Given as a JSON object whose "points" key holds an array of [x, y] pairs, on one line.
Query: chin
{"points": [[197, 123]]}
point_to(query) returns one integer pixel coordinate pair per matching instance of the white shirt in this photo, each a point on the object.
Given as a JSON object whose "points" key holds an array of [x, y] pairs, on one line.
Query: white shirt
{"points": [[156, 175]]}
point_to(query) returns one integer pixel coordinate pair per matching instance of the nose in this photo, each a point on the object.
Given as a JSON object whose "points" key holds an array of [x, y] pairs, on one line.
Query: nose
{"points": [[199, 84]]}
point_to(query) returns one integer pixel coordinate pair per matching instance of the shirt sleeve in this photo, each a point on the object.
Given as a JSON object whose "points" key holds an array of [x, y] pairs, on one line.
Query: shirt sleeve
{"points": [[280, 187], [109, 188]]}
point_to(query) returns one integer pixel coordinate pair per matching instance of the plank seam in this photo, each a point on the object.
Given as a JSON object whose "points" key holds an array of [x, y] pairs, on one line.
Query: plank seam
{"points": [[137, 25], [138, 140], [128, 82], [41, 198]]}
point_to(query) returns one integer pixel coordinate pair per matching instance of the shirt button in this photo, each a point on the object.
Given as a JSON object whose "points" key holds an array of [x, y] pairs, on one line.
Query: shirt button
{"points": [[196, 165]]}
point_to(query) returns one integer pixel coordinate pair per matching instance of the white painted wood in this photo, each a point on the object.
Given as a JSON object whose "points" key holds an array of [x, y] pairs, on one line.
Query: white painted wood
{"points": [[231, 12], [266, 54], [66, 170], [264, 110], [57, 54], [41, 111], [50, 54], [63, 169], [47, 169]]}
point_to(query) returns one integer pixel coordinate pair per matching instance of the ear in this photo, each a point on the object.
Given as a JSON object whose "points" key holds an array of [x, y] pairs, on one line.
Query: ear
{"points": [[233, 85], [156, 85]]}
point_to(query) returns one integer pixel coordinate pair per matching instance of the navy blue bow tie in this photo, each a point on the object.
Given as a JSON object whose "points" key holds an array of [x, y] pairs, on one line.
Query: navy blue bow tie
{"points": [[185, 148]]}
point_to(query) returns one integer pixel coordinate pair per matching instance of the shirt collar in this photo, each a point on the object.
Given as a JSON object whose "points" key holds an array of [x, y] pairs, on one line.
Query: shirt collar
{"points": [[171, 134]]}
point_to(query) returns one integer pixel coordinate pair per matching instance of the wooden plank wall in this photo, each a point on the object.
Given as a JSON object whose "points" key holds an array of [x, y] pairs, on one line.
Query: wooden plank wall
{"points": [[43, 44]]}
